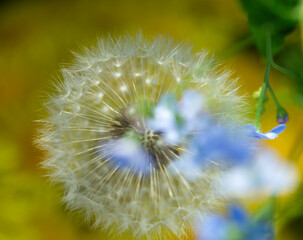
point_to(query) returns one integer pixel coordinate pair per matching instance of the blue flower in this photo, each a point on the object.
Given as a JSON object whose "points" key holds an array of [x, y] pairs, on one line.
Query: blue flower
{"points": [[236, 225], [216, 146], [166, 120], [272, 134], [212, 227], [208, 141], [126, 153], [266, 175], [190, 109], [176, 120], [221, 144]]}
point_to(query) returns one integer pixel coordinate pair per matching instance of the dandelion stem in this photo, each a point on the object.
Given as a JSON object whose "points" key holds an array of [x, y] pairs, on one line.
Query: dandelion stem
{"points": [[260, 104]]}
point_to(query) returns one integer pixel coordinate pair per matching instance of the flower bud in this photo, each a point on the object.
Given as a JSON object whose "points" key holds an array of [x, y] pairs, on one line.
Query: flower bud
{"points": [[282, 116]]}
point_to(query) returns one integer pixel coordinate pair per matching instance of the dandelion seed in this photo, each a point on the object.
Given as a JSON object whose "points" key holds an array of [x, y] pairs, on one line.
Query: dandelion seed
{"points": [[108, 143]]}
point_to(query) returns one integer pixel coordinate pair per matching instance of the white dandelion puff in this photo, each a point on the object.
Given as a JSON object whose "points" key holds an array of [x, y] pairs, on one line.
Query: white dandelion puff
{"points": [[98, 121]]}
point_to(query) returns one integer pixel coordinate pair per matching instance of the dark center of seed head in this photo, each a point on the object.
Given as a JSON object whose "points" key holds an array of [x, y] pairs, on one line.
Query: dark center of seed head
{"points": [[133, 126]]}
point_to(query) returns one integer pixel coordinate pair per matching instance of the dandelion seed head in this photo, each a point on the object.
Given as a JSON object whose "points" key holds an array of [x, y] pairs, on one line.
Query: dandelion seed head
{"points": [[98, 121]]}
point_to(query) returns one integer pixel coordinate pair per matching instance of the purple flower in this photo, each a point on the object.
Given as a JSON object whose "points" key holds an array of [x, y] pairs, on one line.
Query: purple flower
{"points": [[272, 134]]}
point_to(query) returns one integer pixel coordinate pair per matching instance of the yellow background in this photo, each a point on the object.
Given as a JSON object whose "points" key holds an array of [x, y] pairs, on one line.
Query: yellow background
{"points": [[38, 37]]}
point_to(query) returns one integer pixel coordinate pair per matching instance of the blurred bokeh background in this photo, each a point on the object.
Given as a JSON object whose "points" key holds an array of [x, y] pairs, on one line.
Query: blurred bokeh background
{"points": [[38, 37]]}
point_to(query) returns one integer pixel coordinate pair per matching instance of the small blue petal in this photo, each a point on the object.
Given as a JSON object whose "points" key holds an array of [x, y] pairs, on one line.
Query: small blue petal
{"points": [[268, 135], [220, 144], [211, 224], [279, 129], [272, 134], [238, 214], [250, 127], [127, 153], [191, 104]]}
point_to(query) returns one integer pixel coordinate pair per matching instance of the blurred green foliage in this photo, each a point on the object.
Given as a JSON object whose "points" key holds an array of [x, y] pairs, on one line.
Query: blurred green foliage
{"points": [[279, 17], [292, 59]]}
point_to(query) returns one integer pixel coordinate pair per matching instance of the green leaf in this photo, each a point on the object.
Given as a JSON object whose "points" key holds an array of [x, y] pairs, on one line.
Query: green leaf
{"points": [[279, 17], [266, 211], [291, 58]]}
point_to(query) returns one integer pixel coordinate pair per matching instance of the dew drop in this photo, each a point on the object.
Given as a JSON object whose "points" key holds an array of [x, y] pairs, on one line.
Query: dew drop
{"points": [[117, 74], [100, 95], [123, 88]]}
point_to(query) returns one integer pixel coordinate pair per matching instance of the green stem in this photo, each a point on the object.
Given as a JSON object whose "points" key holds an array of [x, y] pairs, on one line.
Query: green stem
{"points": [[285, 71], [301, 24], [260, 108], [273, 95]]}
